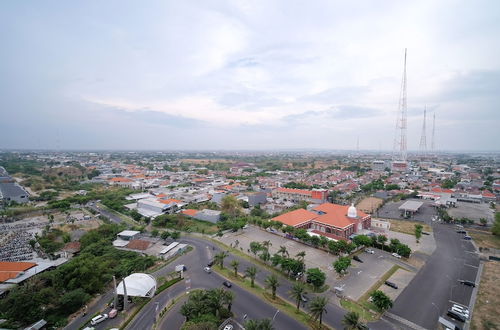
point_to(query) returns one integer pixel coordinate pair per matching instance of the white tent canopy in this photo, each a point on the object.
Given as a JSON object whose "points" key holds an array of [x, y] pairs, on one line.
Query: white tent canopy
{"points": [[138, 285]]}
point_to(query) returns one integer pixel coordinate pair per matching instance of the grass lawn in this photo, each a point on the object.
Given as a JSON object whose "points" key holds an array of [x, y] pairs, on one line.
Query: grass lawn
{"points": [[484, 239], [363, 312], [485, 315], [408, 226], [279, 303]]}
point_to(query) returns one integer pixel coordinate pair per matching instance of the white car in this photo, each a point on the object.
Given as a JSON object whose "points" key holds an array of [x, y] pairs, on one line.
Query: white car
{"points": [[370, 251], [396, 255], [207, 269], [98, 319], [461, 310], [228, 327]]}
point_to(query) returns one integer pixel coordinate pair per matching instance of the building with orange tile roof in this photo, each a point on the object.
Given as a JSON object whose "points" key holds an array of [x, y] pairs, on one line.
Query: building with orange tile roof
{"points": [[328, 219], [190, 212]]}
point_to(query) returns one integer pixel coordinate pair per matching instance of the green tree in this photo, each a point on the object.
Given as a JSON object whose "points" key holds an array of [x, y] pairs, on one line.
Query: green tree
{"points": [[165, 234], [352, 322], [235, 263], [381, 239], [255, 247], [219, 258], [264, 324], [298, 290], [362, 240], [272, 283], [342, 264], [301, 255], [316, 277], [231, 206], [495, 229], [381, 300], [283, 251], [333, 247], [175, 235], [154, 232], [251, 272], [418, 232], [317, 307]]}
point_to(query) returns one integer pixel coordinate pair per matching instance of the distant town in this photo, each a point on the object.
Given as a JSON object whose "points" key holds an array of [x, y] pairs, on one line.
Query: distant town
{"points": [[248, 240]]}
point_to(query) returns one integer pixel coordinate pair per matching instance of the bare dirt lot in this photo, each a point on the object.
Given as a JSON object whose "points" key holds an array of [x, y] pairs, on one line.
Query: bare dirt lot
{"points": [[407, 226], [369, 204], [485, 314]]}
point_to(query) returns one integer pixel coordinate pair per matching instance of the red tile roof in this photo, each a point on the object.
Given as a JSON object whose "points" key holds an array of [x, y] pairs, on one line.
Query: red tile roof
{"points": [[120, 180], [190, 212], [138, 244], [10, 269], [295, 217], [169, 201]]}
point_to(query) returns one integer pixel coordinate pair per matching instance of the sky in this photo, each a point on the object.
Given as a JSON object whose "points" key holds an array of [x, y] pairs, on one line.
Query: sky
{"points": [[256, 75]]}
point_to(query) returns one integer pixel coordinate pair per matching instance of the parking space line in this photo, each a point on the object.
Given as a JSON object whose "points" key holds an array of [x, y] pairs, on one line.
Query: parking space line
{"points": [[471, 266], [454, 302]]}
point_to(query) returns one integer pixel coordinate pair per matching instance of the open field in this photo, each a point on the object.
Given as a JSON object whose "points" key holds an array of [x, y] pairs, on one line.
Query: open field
{"points": [[484, 239], [485, 314], [407, 226], [369, 204]]}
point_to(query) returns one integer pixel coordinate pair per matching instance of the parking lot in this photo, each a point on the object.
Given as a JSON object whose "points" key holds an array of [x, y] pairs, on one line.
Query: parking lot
{"points": [[361, 276], [472, 211], [390, 210]]}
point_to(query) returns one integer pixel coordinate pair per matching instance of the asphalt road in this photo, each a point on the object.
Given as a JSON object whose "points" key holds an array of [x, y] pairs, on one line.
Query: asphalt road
{"points": [[430, 293], [112, 217], [244, 302]]}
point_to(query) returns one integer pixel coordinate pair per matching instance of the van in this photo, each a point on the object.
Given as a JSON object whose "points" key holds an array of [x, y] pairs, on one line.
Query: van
{"points": [[98, 319]]}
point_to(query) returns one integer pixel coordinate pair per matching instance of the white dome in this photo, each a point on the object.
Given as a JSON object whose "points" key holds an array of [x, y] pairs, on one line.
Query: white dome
{"points": [[351, 212], [138, 285]]}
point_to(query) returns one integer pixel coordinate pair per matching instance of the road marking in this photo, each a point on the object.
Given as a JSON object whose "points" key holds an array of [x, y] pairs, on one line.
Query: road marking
{"points": [[471, 266], [473, 252]]}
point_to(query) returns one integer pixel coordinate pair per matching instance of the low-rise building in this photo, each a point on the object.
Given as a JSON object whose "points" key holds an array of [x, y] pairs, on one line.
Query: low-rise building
{"points": [[316, 196]]}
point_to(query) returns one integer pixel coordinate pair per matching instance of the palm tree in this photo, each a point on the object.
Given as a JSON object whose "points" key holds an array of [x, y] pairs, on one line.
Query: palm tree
{"points": [[301, 255], [219, 258], [266, 244], [272, 283], [264, 324], [283, 251], [251, 272], [318, 307], [352, 322], [298, 290], [235, 263]]}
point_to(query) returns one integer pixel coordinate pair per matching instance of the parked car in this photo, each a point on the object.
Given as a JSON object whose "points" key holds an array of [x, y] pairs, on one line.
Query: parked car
{"points": [[245, 226], [112, 313], [391, 284], [227, 284], [467, 238], [468, 283], [461, 232], [207, 270], [462, 308], [303, 298], [228, 327], [370, 251], [461, 311], [211, 263], [456, 316], [396, 255], [357, 259], [98, 319]]}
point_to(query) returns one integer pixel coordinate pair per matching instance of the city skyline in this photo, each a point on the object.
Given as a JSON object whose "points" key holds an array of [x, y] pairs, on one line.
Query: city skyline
{"points": [[247, 76]]}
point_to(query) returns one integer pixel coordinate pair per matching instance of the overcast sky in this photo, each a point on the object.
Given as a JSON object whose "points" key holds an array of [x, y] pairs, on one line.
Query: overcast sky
{"points": [[247, 74]]}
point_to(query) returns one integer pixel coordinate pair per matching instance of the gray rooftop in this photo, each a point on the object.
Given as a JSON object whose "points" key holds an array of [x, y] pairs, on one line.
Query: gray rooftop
{"points": [[411, 206]]}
